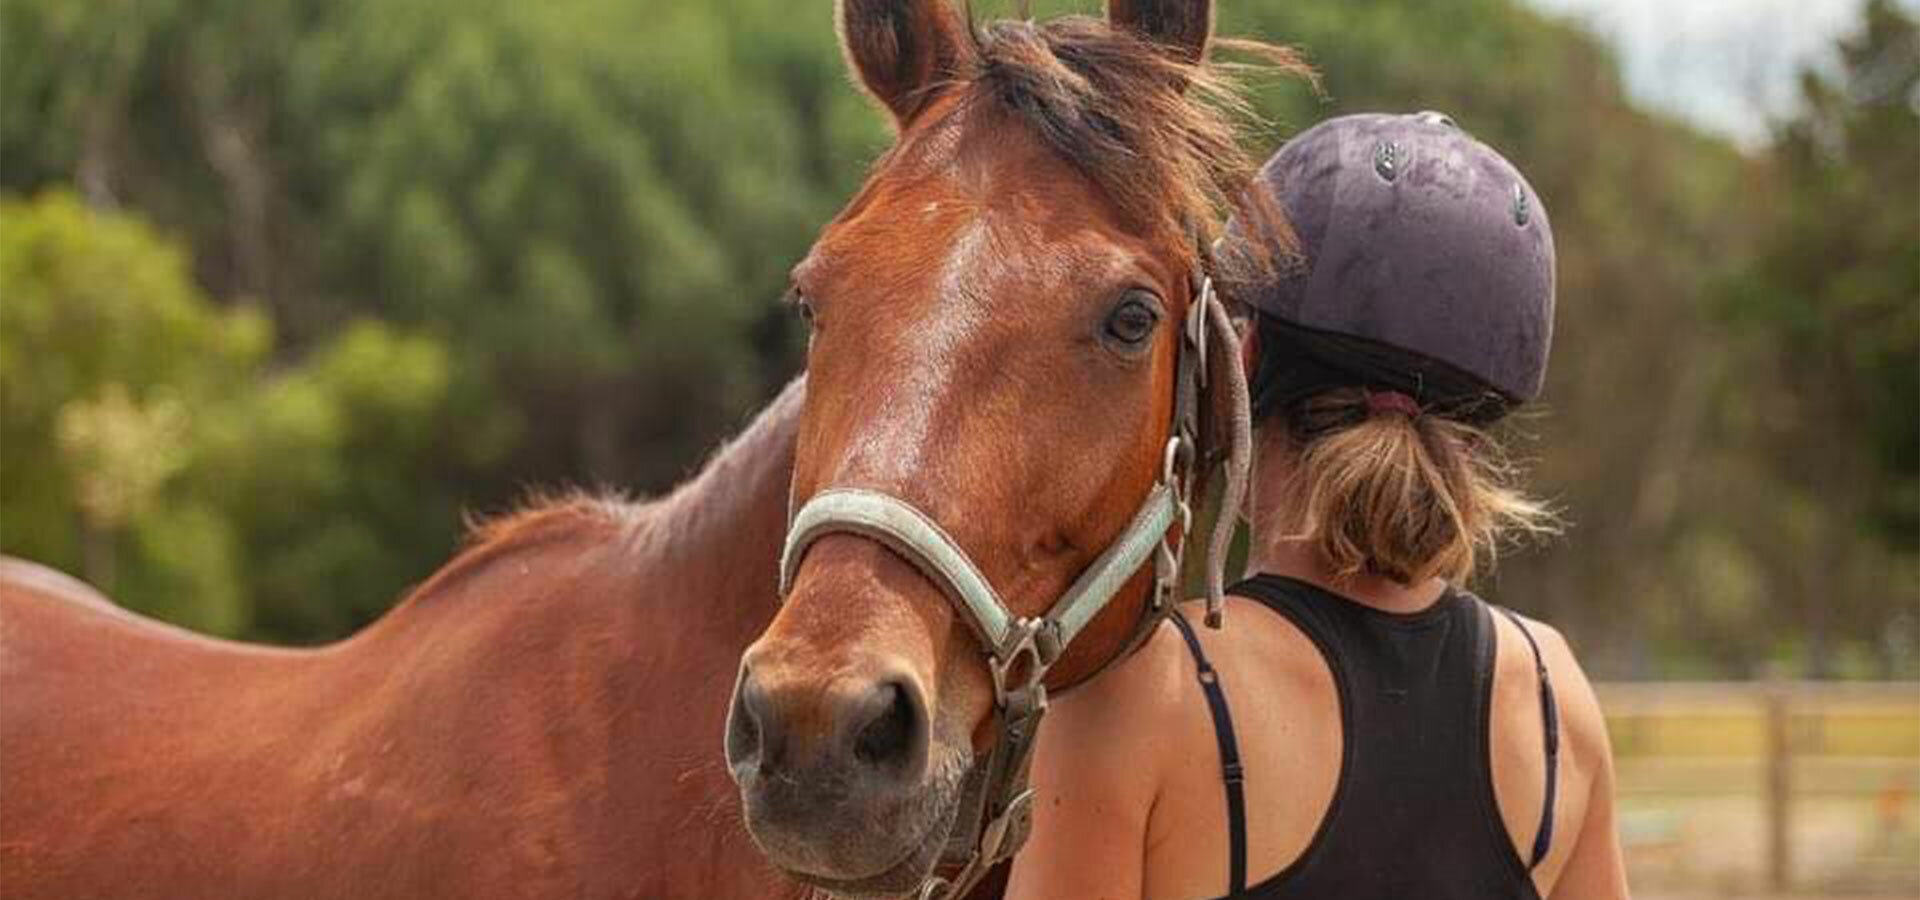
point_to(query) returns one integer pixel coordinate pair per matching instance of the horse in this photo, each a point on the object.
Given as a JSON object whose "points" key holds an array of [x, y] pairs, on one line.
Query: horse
{"points": [[1020, 380], [540, 718]]}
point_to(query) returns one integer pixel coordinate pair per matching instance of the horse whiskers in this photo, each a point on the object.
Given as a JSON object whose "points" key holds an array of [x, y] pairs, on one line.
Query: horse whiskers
{"points": [[698, 768]]}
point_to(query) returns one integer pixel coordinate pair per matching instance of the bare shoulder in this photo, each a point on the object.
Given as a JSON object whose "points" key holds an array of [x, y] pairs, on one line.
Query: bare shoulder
{"points": [[1123, 701], [1584, 860], [1150, 703], [1159, 679], [1580, 716], [1098, 767]]}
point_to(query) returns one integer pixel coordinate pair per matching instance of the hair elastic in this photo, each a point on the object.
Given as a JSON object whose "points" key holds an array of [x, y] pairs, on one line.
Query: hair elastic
{"points": [[1392, 401]]}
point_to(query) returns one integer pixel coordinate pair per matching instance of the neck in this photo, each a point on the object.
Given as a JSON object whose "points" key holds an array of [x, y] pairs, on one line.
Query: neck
{"points": [[729, 522], [1297, 559], [713, 544], [1273, 498], [608, 636]]}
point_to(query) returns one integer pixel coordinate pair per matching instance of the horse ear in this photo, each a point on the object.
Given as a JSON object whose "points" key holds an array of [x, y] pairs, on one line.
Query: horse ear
{"points": [[1181, 26], [902, 50]]}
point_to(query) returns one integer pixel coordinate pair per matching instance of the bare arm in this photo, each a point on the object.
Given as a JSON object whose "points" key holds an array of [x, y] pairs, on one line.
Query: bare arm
{"points": [[1089, 831], [1596, 869], [1096, 774]]}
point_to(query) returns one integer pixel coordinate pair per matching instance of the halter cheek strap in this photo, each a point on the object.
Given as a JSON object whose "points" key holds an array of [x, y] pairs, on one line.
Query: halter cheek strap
{"points": [[996, 807], [918, 539]]}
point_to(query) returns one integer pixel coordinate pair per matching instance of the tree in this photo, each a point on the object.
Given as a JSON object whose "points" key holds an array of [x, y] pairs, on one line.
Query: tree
{"points": [[506, 244], [1829, 314], [150, 447]]}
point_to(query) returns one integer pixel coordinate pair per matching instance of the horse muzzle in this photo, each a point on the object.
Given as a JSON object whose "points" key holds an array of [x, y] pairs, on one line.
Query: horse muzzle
{"points": [[837, 781]]}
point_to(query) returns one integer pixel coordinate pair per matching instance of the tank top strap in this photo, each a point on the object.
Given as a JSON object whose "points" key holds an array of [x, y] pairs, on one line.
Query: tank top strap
{"points": [[1550, 725], [1231, 773]]}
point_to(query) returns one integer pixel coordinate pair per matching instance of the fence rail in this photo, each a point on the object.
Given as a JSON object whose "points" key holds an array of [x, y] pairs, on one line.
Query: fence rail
{"points": [[1733, 787]]}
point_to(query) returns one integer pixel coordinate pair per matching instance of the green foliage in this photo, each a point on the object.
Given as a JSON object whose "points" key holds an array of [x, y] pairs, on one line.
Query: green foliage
{"points": [[1826, 319], [504, 244], [1834, 292], [106, 348], [150, 445]]}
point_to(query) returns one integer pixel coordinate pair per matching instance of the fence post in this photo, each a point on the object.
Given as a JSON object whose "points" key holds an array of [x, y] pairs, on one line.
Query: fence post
{"points": [[1779, 785]]}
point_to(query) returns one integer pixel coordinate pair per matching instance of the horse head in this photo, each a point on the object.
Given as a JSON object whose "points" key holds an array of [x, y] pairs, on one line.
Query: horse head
{"points": [[1010, 332]]}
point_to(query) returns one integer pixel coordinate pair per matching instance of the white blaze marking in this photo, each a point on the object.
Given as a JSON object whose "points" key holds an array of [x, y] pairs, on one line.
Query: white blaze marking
{"points": [[898, 446]]}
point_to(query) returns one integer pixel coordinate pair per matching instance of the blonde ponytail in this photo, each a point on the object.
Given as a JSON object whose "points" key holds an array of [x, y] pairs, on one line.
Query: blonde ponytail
{"points": [[1392, 491]]}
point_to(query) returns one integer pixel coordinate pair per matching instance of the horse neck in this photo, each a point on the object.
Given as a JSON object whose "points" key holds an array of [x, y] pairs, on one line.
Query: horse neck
{"points": [[602, 634], [704, 559], [723, 530]]}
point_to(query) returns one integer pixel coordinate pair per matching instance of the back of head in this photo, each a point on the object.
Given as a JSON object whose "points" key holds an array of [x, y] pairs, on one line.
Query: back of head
{"points": [[1376, 486], [1420, 313]]}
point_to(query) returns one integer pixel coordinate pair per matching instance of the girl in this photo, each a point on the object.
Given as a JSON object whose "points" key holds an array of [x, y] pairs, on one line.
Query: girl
{"points": [[1367, 729]]}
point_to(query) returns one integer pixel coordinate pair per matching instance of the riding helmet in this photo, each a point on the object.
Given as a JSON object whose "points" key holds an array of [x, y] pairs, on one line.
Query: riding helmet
{"points": [[1424, 265]]}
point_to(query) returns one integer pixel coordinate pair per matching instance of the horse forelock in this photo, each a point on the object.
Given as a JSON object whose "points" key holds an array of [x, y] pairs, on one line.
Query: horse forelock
{"points": [[1160, 135]]}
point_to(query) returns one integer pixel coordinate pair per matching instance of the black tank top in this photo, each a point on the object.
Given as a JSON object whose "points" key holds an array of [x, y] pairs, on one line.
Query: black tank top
{"points": [[1413, 811]]}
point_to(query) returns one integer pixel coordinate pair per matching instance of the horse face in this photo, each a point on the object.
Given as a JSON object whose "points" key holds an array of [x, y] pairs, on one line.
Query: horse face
{"points": [[994, 344]]}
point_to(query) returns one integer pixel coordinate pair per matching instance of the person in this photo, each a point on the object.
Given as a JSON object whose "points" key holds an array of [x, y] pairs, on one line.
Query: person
{"points": [[1363, 728]]}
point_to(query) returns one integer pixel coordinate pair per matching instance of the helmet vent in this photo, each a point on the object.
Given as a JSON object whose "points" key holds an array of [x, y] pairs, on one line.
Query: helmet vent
{"points": [[1386, 160], [1522, 214]]}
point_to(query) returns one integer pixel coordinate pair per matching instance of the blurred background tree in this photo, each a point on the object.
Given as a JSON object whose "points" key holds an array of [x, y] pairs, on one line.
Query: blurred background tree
{"points": [[288, 285], [155, 445]]}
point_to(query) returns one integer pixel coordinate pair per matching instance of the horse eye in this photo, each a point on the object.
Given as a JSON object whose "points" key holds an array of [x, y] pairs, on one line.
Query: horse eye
{"points": [[802, 307], [1133, 320]]}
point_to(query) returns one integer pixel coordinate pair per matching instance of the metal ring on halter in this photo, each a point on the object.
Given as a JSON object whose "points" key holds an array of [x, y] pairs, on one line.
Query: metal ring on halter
{"points": [[1177, 458], [1024, 643], [1172, 556]]}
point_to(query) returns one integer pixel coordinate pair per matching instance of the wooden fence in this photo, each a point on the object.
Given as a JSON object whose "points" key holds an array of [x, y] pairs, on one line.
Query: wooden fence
{"points": [[1735, 788]]}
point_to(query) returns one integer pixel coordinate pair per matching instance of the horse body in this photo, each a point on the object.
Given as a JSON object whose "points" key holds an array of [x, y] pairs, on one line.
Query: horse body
{"points": [[541, 718]]}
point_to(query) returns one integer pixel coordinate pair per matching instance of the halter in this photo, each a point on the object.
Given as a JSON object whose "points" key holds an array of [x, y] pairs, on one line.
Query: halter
{"points": [[995, 813]]}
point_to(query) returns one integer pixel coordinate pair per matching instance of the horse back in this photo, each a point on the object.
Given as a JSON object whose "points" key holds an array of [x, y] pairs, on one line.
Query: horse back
{"points": [[60, 607]]}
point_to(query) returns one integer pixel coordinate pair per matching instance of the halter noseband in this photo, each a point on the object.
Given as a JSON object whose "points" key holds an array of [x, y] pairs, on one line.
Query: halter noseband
{"points": [[995, 814]]}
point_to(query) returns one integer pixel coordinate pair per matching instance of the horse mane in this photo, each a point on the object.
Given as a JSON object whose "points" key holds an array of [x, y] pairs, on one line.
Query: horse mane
{"points": [[542, 518], [543, 512], [1158, 133], [548, 516]]}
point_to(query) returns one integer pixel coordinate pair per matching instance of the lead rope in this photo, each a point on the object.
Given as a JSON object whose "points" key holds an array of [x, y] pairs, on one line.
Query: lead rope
{"points": [[1225, 376]]}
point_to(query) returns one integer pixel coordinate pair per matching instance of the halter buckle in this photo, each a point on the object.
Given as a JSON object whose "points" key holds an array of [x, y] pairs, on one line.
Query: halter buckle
{"points": [[993, 838], [1034, 641]]}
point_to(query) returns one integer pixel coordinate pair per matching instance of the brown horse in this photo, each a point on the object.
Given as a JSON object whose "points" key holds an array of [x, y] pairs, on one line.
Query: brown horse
{"points": [[996, 373], [541, 718]]}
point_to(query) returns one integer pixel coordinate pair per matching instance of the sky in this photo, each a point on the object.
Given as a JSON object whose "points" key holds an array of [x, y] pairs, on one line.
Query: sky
{"points": [[1729, 65]]}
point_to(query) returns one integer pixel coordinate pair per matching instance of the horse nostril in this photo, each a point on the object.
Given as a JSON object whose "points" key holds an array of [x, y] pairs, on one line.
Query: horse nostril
{"points": [[894, 728], [750, 731]]}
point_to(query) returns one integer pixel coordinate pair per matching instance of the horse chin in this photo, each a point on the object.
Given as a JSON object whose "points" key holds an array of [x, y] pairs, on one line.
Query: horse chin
{"points": [[905, 876], [899, 881]]}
